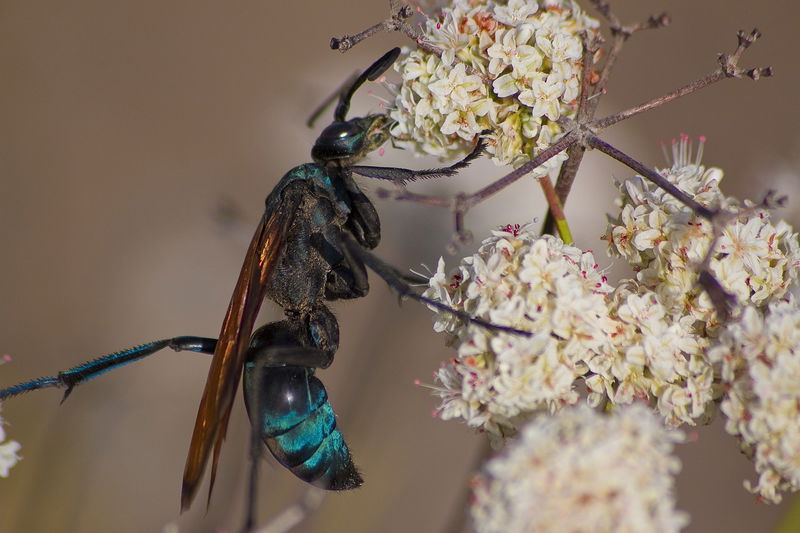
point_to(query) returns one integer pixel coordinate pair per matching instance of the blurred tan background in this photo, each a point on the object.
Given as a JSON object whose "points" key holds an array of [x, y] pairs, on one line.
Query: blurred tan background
{"points": [[137, 142]]}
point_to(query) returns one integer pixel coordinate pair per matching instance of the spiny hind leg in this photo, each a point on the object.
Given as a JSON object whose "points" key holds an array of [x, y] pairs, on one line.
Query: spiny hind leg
{"points": [[72, 377], [398, 282]]}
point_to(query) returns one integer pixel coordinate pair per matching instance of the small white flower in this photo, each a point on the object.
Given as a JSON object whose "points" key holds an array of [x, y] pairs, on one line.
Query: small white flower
{"points": [[447, 36], [506, 85], [516, 12], [560, 45], [543, 96], [462, 123], [454, 90], [511, 48]]}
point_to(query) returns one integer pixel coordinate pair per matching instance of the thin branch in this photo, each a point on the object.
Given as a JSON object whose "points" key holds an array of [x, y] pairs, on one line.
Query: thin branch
{"points": [[566, 178], [620, 34], [555, 208], [463, 203], [652, 175], [653, 22], [591, 44], [729, 68], [605, 9], [404, 195], [397, 21], [545, 155], [661, 100], [569, 168]]}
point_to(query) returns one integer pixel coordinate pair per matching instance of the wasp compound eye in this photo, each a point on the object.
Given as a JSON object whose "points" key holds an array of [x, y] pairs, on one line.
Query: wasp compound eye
{"points": [[339, 130]]}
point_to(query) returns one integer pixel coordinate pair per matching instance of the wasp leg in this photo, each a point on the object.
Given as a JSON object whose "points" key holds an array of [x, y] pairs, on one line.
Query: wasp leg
{"points": [[363, 223], [404, 175], [76, 375], [347, 277], [397, 282]]}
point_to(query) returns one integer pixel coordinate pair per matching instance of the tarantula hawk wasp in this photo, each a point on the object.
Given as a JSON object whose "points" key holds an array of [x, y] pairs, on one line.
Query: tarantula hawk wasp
{"points": [[310, 246]]}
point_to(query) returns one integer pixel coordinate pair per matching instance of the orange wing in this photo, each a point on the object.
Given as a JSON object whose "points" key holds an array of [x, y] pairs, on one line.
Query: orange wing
{"points": [[229, 356]]}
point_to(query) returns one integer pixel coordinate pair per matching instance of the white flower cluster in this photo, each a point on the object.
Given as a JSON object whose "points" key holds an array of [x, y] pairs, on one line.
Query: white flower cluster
{"points": [[536, 284], [511, 67], [759, 361], [580, 471], [8, 448], [656, 338], [621, 342], [665, 243]]}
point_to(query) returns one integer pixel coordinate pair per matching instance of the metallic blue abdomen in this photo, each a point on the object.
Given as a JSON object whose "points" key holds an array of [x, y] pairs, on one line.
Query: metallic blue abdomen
{"points": [[299, 426]]}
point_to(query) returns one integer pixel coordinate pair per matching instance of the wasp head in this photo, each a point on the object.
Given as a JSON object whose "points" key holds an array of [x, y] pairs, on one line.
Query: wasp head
{"points": [[347, 142]]}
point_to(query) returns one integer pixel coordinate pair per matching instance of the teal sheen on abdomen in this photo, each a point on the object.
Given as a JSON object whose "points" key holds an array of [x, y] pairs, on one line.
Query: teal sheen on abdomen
{"points": [[299, 427]]}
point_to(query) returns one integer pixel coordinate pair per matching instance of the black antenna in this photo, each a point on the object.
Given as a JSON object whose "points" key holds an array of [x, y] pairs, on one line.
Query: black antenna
{"points": [[371, 74]]}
